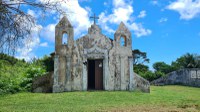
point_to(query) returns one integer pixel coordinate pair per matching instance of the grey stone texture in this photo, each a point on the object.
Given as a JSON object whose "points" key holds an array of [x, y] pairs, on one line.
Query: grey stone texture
{"points": [[187, 77], [43, 84], [141, 84], [70, 72]]}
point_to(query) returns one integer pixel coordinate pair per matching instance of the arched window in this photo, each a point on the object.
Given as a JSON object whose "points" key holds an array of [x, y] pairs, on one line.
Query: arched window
{"points": [[122, 41], [64, 38]]}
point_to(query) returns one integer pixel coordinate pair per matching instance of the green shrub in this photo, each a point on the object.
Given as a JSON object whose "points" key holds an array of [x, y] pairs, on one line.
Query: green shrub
{"points": [[150, 76], [31, 72], [17, 75], [10, 76], [47, 62]]}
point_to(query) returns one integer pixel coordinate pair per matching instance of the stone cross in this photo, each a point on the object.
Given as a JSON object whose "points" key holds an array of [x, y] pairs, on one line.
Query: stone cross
{"points": [[94, 17]]}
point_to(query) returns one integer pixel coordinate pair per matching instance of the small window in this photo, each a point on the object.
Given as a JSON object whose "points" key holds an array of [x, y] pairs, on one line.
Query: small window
{"points": [[122, 41], [64, 38]]}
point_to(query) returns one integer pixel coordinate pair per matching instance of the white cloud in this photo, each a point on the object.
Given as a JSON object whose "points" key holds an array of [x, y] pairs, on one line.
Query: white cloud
{"points": [[119, 3], [26, 52], [163, 20], [77, 15], [88, 9], [44, 44], [103, 22], [154, 2], [139, 30], [188, 9], [105, 3], [48, 32], [34, 13], [32, 42], [122, 11], [142, 14], [121, 14]]}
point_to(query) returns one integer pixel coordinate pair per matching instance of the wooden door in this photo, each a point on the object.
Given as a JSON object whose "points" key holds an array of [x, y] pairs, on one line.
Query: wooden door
{"points": [[99, 74]]}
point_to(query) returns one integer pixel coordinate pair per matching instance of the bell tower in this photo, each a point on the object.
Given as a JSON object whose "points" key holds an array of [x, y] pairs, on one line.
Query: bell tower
{"points": [[123, 36], [64, 35], [64, 42]]}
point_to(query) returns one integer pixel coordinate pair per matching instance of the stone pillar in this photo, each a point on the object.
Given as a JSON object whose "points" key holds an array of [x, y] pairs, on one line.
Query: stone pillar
{"points": [[56, 87], [84, 84], [106, 72], [131, 81], [123, 83], [118, 73], [68, 85]]}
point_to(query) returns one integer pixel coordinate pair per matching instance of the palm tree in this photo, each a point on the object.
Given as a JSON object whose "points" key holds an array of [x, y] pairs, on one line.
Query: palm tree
{"points": [[187, 61]]}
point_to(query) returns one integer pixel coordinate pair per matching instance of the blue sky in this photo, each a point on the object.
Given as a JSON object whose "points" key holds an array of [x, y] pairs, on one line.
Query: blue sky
{"points": [[165, 29]]}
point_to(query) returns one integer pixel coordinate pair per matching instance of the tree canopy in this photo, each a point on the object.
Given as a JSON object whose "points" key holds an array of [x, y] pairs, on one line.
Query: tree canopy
{"points": [[163, 67], [16, 24], [187, 61], [139, 57]]}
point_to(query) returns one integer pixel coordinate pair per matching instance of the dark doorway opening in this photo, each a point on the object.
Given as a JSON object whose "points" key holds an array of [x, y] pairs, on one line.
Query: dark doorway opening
{"points": [[91, 74], [95, 74]]}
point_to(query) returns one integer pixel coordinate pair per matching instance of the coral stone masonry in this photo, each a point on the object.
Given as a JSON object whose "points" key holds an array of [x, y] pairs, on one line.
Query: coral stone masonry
{"points": [[94, 61]]}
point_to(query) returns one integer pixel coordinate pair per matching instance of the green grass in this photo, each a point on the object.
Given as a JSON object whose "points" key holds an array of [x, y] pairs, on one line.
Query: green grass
{"points": [[161, 98]]}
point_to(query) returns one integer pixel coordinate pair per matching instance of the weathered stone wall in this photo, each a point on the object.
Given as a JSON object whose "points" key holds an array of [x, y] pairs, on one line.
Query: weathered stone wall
{"points": [[119, 68], [43, 84], [94, 45], [119, 64], [188, 77], [70, 60], [63, 56], [141, 84]]}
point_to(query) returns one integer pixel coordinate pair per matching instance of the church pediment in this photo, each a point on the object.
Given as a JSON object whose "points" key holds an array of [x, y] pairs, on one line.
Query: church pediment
{"points": [[95, 50]]}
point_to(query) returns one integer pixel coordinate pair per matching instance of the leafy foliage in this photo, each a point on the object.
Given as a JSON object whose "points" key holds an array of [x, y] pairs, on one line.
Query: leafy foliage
{"points": [[163, 67], [48, 63], [139, 57], [10, 76], [17, 75], [32, 71], [140, 68], [8, 58], [187, 61]]}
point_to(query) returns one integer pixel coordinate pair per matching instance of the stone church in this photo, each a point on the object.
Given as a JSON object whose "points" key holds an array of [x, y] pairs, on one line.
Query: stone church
{"points": [[94, 61]]}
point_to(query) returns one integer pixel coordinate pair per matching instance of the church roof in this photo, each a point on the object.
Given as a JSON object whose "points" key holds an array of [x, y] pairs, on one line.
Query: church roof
{"points": [[122, 27], [64, 21]]}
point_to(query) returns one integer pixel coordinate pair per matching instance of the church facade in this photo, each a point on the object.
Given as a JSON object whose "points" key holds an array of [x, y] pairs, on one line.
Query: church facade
{"points": [[94, 61]]}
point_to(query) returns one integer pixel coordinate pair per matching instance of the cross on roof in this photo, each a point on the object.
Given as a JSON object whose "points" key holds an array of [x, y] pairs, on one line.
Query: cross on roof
{"points": [[94, 17]]}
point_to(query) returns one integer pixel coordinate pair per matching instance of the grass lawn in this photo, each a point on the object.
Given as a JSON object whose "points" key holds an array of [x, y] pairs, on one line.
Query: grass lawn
{"points": [[161, 99]]}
